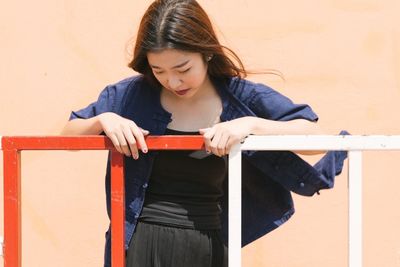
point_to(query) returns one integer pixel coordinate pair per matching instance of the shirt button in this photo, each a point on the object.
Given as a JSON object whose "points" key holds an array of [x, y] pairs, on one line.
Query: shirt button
{"points": [[302, 184], [145, 185], [136, 215]]}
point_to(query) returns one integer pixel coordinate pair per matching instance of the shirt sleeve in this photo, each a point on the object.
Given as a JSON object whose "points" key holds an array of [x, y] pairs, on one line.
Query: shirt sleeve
{"points": [[285, 167], [110, 100], [270, 104], [106, 102]]}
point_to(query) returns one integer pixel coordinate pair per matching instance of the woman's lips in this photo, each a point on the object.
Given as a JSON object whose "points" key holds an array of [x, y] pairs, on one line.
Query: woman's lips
{"points": [[182, 92]]}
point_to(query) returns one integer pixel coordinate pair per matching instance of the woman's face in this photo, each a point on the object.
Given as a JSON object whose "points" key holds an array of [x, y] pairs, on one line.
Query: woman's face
{"points": [[182, 73]]}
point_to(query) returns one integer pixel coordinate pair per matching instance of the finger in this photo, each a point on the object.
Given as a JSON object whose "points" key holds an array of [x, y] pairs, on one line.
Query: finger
{"points": [[123, 143], [229, 144], [222, 144], [233, 141], [144, 132], [139, 135], [203, 130], [139, 138], [115, 142], [215, 142], [131, 141], [208, 135]]}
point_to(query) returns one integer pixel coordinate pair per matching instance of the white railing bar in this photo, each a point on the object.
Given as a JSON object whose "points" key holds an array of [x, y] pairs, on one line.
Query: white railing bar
{"points": [[355, 209], [235, 208], [322, 142], [354, 144]]}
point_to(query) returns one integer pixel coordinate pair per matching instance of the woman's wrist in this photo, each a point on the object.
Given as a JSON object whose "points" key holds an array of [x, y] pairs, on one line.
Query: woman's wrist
{"points": [[252, 124], [260, 126], [96, 123]]}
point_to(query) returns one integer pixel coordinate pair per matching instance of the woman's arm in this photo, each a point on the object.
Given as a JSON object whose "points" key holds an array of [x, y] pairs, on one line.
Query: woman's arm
{"points": [[90, 126], [221, 137], [261, 126]]}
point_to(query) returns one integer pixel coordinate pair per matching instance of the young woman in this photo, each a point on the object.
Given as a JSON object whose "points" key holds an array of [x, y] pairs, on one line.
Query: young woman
{"points": [[176, 201]]}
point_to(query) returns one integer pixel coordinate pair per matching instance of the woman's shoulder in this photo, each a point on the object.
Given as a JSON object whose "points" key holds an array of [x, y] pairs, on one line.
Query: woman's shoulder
{"points": [[126, 83], [116, 93], [127, 87], [244, 88], [269, 103], [236, 83]]}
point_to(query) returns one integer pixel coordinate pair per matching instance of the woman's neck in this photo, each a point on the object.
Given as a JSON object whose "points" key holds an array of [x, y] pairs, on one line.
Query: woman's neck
{"points": [[199, 111]]}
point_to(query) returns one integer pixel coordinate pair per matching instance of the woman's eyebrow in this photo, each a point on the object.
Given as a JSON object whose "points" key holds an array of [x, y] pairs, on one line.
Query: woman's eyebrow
{"points": [[174, 67]]}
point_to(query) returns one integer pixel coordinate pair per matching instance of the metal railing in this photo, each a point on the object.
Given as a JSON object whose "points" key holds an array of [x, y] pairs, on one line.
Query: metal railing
{"points": [[12, 147]]}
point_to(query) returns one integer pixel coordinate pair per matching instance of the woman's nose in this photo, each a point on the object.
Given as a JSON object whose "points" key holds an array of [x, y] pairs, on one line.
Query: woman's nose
{"points": [[174, 82]]}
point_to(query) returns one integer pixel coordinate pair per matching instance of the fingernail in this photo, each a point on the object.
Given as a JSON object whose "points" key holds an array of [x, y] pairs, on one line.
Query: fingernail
{"points": [[208, 151], [144, 150], [135, 156]]}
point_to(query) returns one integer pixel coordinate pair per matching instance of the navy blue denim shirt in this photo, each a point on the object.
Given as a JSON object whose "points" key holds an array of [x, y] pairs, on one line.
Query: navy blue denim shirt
{"points": [[268, 176]]}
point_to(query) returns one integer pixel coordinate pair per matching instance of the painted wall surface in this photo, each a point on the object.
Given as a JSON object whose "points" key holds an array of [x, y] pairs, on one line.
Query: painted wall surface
{"points": [[340, 56]]}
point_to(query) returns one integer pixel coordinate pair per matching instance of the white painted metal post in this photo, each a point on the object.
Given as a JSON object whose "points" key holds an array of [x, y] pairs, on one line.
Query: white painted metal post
{"points": [[355, 208], [235, 207], [1, 237]]}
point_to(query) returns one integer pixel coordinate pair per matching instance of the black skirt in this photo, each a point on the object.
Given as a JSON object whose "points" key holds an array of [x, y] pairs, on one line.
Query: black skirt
{"points": [[155, 245]]}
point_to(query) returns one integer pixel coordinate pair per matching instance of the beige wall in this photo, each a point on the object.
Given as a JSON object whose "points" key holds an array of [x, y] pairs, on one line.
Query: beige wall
{"points": [[340, 56]]}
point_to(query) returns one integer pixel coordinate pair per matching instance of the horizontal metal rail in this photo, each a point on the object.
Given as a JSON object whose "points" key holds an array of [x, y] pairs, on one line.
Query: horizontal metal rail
{"points": [[12, 146], [322, 142]]}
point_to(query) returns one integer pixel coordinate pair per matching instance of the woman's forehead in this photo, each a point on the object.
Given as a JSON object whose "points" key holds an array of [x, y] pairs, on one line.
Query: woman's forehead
{"points": [[170, 58]]}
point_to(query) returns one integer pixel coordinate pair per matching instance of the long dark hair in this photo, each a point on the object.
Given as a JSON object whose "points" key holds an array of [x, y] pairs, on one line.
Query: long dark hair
{"points": [[182, 25]]}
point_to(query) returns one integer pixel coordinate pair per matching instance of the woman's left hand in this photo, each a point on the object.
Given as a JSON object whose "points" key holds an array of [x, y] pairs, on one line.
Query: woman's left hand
{"points": [[220, 138]]}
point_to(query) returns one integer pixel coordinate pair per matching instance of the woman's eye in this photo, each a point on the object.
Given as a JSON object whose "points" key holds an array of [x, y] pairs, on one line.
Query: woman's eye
{"points": [[184, 71], [158, 72]]}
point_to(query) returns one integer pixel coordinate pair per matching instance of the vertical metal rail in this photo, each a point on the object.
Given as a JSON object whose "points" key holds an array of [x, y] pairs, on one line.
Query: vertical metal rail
{"points": [[235, 207], [12, 207], [355, 208], [117, 210]]}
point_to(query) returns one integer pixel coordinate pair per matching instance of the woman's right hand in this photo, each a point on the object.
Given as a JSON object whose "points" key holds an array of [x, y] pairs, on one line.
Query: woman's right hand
{"points": [[124, 133]]}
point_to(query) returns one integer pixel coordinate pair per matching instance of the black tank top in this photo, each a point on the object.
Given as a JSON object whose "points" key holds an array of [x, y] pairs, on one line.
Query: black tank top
{"points": [[184, 191]]}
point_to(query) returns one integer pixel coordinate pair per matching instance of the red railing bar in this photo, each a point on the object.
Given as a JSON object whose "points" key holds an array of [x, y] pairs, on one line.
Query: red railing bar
{"points": [[117, 210], [184, 142], [13, 145], [12, 208]]}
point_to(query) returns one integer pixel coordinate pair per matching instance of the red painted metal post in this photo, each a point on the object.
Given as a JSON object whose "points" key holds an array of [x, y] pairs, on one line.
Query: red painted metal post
{"points": [[12, 208], [12, 146], [117, 210]]}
